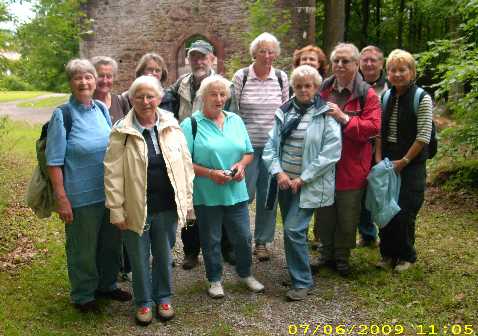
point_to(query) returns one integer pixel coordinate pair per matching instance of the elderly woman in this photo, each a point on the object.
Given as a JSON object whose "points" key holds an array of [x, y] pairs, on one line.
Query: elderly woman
{"points": [[313, 56], [148, 184], [150, 64], [260, 90], [404, 138], [221, 150], [77, 139], [107, 68], [301, 153]]}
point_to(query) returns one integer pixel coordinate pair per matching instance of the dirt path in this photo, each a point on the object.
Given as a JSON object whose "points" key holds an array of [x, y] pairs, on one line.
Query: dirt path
{"points": [[28, 114]]}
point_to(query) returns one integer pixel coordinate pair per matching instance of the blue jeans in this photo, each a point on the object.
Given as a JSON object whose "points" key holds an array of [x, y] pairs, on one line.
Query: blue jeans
{"points": [[296, 224], [152, 286], [236, 218], [93, 252], [257, 177]]}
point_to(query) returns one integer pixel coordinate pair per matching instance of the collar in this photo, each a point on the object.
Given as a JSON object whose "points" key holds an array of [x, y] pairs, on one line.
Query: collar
{"points": [[199, 115], [380, 81], [79, 106], [271, 75], [140, 128], [349, 86]]}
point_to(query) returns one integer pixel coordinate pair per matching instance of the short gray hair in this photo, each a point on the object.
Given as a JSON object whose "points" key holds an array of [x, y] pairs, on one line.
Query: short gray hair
{"points": [[214, 79], [152, 57], [105, 60], [264, 37], [350, 46], [372, 48], [149, 81], [303, 71], [79, 65]]}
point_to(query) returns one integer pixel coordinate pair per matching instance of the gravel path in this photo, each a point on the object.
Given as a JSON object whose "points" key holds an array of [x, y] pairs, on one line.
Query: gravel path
{"points": [[245, 313], [29, 114]]}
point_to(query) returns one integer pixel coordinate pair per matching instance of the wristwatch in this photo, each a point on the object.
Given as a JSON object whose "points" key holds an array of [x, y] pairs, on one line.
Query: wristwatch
{"points": [[346, 119]]}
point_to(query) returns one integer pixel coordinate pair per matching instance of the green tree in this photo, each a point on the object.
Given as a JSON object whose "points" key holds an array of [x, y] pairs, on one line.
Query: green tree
{"points": [[49, 41]]}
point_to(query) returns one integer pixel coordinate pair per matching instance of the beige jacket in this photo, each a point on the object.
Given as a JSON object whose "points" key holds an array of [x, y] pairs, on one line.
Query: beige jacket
{"points": [[126, 170]]}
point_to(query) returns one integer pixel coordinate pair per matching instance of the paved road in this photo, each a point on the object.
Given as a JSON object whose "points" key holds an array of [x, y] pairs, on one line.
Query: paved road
{"points": [[29, 114]]}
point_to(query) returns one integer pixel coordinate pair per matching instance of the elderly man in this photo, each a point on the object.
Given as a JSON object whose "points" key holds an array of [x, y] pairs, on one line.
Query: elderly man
{"points": [[371, 68], [355, 105], [183, 103]]}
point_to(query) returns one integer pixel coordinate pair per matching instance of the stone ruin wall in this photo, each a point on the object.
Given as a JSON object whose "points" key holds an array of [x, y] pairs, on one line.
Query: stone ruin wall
{"points": [[125, 30]]}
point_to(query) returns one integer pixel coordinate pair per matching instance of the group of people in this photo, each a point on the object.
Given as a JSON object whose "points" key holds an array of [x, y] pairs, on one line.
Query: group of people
{"points": [[197, 153]]}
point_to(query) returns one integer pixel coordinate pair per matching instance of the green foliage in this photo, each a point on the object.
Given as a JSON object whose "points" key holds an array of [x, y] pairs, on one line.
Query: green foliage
{"points": [[265, 17], [14, 83], [49, 41]]}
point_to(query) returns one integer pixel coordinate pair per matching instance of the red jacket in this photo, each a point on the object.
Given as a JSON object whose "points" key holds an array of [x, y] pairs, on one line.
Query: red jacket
{"points": [[356, 159]]}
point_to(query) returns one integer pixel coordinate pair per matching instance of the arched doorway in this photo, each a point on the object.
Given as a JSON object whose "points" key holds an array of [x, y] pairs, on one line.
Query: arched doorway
{"points": [[182, 65]]}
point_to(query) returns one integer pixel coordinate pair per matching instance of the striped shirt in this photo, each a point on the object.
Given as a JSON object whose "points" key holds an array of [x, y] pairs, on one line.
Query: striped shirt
{"points": [[258, 100], [291, 161], [424, 121]]}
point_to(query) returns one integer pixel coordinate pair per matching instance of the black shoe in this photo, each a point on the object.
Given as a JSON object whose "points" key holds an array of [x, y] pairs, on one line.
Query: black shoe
{"points": [[88, 307], [115, 295], [321, 263], [229, 257], [343, 268], [190, 261]]}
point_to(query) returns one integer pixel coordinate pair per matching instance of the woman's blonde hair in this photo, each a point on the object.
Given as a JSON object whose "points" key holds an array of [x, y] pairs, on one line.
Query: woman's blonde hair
{"points": [[399, 56]]}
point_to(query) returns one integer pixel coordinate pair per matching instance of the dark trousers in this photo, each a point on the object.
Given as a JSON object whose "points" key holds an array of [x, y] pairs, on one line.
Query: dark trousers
{"points": [[192, 244], [367, 229], [397, 239]]}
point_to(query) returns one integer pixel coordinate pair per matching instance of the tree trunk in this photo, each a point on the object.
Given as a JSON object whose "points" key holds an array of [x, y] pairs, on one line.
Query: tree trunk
{"points": [[401, 14], [365, 18], [311, 28], [334, 25], [348, 4], [377, 22]]}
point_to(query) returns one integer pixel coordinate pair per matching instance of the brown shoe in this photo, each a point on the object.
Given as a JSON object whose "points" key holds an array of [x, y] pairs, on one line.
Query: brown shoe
{"points": [[262, 253], [371, 243], [115, 295]]}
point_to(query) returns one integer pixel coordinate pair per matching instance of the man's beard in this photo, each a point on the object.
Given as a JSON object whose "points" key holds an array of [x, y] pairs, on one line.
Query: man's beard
{"points": [[200, 73]]}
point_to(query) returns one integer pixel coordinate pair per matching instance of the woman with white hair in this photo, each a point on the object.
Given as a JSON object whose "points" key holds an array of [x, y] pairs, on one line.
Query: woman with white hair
{"points": [[221, 150], [148, 185], [76, 143], [303, 148], [259, 90]]}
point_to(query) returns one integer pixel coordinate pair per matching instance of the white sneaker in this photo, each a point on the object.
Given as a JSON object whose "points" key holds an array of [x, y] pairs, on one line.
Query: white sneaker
{"points": [[215, 290], [254, 285], [403, 266]]}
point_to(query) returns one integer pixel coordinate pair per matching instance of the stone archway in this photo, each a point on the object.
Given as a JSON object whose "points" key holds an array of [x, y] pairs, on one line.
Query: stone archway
{"points": [[185, 41]]}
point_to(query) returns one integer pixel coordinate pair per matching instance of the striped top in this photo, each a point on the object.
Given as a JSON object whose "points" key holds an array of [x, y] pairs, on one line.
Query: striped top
{"points": [[258, 100], [291, 161], [424, 121]]}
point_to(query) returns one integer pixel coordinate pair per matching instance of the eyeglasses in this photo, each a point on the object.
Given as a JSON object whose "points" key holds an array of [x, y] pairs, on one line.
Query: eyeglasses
{"points": [[344, 61], [148, 98], [266, 52], [153, 70]]}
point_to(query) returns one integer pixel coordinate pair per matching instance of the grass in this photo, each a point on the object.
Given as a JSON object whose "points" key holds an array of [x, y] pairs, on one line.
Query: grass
{"points": [[34, 293], [15, 95], [45, 102]]}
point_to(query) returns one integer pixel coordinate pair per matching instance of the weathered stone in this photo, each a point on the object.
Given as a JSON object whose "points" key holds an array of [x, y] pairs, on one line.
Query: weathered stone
{"points": [[125, 30]]}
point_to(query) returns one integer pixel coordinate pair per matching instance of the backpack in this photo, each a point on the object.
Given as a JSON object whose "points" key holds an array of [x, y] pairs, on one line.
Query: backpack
{"points": [[419, 94], [39, 195]]}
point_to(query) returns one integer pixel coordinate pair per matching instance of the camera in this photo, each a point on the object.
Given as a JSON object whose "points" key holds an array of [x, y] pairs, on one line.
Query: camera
{"points": [[229, 172]]}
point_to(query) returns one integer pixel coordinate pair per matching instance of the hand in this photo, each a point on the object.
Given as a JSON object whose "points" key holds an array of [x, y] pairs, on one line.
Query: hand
{"points": [[121, 225], [296, 184], [398, 165], [240, 171], [190, 215], [283, 181], [219, 177], [64, 209], [337, 114]]}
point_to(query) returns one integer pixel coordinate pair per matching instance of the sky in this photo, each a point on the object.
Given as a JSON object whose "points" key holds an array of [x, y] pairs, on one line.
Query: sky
{"points": [[23, 12]]}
